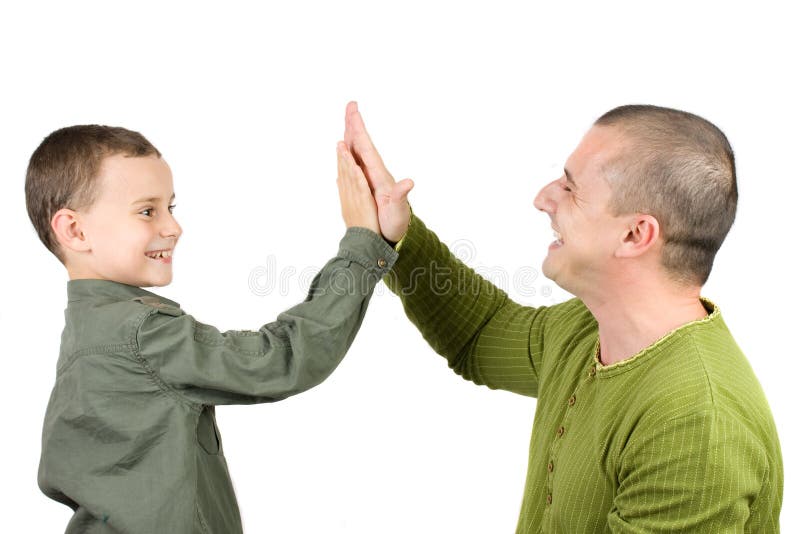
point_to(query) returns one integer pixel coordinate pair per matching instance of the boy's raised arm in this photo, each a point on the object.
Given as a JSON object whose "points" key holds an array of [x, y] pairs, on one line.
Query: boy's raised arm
{"points": [[306, 342]]}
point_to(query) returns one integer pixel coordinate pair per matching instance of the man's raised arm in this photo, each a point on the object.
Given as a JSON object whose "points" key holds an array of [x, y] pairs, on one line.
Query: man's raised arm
{"points": [[485, 336]]}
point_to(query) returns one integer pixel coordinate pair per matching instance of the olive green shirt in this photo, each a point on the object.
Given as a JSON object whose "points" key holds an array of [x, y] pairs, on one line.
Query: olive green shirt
{"points": [[130, 441], [678, 438]]}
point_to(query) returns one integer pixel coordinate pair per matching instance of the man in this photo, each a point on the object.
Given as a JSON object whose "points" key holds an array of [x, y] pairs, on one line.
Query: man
{"points": [[649, 417]]}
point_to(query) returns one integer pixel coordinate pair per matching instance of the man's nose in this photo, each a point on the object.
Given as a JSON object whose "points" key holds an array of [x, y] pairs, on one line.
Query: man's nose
{"points": [[544, 200]]}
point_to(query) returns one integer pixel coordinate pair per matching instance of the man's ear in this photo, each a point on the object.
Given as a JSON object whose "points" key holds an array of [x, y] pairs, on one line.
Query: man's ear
{"points": [[66, 224], [639, 236]]}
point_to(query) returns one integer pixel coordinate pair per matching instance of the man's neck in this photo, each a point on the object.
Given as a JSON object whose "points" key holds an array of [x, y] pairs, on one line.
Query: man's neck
{"points": [[635, 318]]}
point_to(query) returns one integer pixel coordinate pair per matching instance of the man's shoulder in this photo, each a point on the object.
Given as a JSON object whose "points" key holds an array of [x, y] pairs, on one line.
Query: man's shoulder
{"points": [[702, 373], [568, 321]]}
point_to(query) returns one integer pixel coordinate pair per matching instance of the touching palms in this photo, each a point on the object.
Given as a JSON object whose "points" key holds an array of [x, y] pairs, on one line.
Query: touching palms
{"points": [[390, 197]]}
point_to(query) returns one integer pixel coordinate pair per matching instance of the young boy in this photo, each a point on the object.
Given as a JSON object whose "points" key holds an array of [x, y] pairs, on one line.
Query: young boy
{"points": [[130, 442]]}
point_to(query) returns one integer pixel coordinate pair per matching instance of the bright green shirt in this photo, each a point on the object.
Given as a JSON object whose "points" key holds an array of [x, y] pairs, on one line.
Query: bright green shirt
{"points": [[130, 441], [678, 438]]}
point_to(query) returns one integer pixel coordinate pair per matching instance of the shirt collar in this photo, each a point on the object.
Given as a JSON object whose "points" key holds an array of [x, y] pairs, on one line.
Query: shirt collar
{"points": [[714, 317], [90, 288]]}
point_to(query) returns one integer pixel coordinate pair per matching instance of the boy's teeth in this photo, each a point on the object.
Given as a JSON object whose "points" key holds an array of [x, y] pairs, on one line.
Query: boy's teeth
{"points": [[161, 254]]}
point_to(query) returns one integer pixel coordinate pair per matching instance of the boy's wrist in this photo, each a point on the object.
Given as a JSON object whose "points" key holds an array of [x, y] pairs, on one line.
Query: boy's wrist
{"points": [[369, 249]]}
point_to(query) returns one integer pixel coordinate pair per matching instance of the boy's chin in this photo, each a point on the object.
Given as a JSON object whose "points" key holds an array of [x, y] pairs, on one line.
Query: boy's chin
{"points": [[154, 281], [160, 283]]}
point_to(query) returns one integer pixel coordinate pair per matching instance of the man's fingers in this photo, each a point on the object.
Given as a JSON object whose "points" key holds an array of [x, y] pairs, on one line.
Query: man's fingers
{"points": [[401, 189], [359, 141]]}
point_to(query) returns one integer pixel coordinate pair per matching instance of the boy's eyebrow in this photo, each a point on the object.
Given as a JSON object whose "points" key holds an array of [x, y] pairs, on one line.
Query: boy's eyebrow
{"points": [[152, 199]]}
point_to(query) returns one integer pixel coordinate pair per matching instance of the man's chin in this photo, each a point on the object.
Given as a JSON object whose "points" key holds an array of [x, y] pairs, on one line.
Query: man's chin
{"points": [[548, 270], [551, 273]]}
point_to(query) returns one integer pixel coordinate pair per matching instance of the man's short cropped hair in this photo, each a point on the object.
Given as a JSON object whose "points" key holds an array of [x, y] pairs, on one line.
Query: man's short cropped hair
{"points": [[680, 169], [63, 172]]}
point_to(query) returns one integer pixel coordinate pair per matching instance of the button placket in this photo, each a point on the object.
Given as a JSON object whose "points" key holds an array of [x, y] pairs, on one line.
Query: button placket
{"points": [[563, 429]]}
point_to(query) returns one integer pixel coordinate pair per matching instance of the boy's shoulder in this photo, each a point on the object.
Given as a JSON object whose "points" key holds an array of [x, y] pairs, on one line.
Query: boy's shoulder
{"points": [[103, 313], [159, 305]]}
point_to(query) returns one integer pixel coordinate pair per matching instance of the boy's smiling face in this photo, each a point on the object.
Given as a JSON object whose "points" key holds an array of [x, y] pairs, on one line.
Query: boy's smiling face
{"points": [[129, 221]]}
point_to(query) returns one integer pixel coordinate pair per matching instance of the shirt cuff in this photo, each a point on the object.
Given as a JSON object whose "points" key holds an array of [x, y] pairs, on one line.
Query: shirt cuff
{"points": [[368, 249]]}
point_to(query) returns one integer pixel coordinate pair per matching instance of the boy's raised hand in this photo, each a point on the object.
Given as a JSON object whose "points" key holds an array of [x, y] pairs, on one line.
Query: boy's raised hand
{"points": [[391, 197], [358, 205]]}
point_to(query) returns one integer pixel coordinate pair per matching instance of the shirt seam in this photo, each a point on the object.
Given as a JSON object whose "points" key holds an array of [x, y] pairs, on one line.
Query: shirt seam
{"points": [[209, 340], [106, 349], [154, 376]]}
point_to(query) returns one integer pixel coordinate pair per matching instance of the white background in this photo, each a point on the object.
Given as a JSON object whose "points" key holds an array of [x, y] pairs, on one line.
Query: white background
{"points": [[480, 105]]}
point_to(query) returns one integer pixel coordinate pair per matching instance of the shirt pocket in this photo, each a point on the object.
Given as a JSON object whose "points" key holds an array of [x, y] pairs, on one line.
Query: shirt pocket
{"points": [[207, 431]]}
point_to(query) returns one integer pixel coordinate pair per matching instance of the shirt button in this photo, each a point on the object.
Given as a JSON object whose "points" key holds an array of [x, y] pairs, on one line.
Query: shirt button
{"points": [[571, 401], [560, 431], [381, 263], [592, 371], [550, 466], [549, 499]]}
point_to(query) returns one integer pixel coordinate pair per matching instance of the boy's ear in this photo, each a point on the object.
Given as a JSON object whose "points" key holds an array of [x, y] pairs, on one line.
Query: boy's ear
{"points": [[66, 225]]}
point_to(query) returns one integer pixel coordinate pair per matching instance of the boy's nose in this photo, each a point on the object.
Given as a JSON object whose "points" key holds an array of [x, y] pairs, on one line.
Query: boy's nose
{"points": [[172, 229]]}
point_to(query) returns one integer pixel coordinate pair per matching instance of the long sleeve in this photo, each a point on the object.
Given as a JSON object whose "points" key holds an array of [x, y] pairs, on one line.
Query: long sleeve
{"points": [[284, 357], [485, 336]]}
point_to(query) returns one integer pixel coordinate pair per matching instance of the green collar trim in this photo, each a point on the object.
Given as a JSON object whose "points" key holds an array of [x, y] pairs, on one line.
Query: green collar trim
{"points": [[619, 367]]}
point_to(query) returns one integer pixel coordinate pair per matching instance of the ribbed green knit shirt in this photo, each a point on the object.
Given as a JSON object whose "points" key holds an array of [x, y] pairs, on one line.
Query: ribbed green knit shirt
{"points": [[678, 438]]}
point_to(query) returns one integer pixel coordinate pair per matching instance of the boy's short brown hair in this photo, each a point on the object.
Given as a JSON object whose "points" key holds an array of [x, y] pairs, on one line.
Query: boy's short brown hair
{"points": [[62, 172]]}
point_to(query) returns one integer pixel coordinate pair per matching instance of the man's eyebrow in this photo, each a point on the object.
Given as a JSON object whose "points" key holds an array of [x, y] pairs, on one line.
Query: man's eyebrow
{"points": [[569, 178], [152, 199]]}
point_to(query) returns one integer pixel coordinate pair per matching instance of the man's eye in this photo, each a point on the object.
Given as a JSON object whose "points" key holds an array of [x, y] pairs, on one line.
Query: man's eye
{"points": [[144, 210], [172, 207]]}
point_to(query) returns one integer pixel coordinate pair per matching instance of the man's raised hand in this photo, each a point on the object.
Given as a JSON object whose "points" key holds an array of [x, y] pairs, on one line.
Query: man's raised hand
{"points": [[391, 197]]}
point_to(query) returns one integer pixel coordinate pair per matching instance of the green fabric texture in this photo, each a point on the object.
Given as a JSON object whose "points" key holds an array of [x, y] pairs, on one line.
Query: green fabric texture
{"points": [[130, 440], [679, 438]]}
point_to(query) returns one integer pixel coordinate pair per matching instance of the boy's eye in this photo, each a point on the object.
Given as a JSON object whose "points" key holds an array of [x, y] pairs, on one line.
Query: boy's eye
{"points": [[144, 211]]}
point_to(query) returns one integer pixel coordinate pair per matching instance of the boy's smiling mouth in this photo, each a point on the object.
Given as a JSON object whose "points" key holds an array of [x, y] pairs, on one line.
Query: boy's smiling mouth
{"points": [[164, 255]]}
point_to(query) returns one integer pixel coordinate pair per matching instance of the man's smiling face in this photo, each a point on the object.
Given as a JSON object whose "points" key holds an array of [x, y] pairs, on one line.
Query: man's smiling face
{"points": [[130, 221], [586, 232]]}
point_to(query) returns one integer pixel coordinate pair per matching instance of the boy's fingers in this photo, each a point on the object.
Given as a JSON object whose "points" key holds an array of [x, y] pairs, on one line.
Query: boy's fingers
{"points": [[340, 166], [350, 169]]}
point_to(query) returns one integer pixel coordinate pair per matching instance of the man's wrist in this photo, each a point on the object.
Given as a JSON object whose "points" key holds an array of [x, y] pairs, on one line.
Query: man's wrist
{"points": [[396, 246]]}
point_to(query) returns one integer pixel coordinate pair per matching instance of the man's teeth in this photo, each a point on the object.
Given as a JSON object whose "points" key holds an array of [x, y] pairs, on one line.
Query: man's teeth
{"points": [[160, 254], [558, 237]]}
